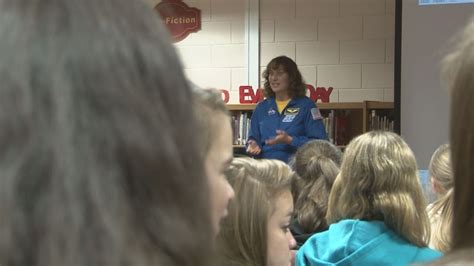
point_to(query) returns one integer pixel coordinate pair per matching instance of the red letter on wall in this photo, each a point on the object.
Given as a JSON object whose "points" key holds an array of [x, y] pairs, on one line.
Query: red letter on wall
{"points": [[225, 94], [248, 96], [319, 93]]}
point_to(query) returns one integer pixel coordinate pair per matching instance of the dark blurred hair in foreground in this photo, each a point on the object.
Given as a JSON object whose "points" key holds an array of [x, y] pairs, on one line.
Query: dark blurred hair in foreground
{"points": [[98, 156]]}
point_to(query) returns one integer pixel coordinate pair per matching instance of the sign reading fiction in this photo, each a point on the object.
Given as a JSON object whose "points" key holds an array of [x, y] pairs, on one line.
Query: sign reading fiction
{"points": [[179, 18]]}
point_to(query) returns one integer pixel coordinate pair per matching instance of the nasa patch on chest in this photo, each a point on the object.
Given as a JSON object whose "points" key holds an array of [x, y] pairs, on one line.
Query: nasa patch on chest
{"points": [[288, 118], [292, 111]]}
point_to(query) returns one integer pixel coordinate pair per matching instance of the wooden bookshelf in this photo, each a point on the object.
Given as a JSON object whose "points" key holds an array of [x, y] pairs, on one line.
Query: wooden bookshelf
{"points": [[340, 106], [241, 107], [358, 114]]}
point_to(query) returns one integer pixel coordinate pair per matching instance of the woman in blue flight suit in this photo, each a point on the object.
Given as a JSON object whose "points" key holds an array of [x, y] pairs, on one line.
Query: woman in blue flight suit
{"points": [[287, 118]]}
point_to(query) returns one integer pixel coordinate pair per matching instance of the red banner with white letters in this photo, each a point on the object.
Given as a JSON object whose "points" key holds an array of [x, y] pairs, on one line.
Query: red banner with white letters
{"points": [[180, 19]]}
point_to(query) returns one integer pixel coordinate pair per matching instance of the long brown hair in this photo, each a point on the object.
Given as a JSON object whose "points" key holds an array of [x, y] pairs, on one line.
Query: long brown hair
{"points": [[458, 67], [97, 166], [297, 86], [243, 237], [317, 165]]}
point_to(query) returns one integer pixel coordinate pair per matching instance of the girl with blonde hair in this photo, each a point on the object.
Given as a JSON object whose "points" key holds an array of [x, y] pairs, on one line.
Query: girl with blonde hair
{"points": [[317, 164], [256, 230], [441, 211], [376, 208]]}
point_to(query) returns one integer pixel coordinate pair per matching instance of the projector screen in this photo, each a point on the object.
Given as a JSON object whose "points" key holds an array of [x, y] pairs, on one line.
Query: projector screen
{"points": [[424, 101], [442, 2]]}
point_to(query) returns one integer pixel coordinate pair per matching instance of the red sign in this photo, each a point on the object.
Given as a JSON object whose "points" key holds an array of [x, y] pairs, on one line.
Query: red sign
{"points": [[179, 18], [247, 94]]}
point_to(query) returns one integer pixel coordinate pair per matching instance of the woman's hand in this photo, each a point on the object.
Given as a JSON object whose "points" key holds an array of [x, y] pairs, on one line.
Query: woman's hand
{"points": [[281, 138], [253, 148]]}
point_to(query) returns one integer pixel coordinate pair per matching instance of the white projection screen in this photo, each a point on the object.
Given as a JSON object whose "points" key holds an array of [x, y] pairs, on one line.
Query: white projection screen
{"points": [[424, 104]]}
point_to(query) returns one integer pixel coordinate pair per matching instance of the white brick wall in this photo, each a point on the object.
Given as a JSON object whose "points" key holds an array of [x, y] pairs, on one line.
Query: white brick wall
{"points": [[340, 29], [377, 75], [309, 74], [315, 53], [359, 95], [225, 10], [267, 30], [237, 78], [197, 56], [277, 9], [295, 30], [390, 7], [339, 76], [344, 44], [362, 7], [211, 33], [270, 50], [379, 27], [238, 32], [334, 97], [366, 51], [219, 78], [388, 95], [317, 8], [228, 55], [389, 50]]}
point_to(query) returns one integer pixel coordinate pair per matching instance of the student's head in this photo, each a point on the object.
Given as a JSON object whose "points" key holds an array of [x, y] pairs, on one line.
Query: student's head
{"points": [[282, 74], [459, 69], [379, 181], [317, 164], [441, 217], [440, 170], [441, 211], [256, 229], [216, 148], [99, 159]]}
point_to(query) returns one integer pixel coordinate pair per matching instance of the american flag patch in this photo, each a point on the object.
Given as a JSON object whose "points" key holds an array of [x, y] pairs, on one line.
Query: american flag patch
{"points": [[316, 114]]}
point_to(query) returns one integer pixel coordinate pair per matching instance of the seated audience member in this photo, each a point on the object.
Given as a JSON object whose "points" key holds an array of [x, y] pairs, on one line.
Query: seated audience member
{"points": [[216, 147], [376, 208], [97, 166], [441, 211], [317, 164], [256, 231], [459, 68]]}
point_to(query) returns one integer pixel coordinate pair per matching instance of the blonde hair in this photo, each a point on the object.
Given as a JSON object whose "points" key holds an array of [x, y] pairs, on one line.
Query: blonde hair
{"points": [[441, 212], [440, 168], [243, 236], [317, 164], [208, 104], [379, 181], [458, 68]]}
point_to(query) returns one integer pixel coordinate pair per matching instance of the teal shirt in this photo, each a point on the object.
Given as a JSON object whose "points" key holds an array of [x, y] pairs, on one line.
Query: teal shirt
{"points": [[356, 242]]}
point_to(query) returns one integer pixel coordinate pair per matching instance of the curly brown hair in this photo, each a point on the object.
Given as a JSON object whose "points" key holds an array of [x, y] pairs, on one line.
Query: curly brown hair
{"points": [[297, 86]]}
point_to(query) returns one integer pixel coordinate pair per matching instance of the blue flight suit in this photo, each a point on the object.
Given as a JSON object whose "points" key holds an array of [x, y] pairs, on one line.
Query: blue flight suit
{"points": [[300, 119]]}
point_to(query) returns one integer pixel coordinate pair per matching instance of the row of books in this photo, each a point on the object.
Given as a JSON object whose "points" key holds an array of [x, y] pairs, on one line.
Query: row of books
{"points": [[380, 122], [336, 124], [240, 128]]}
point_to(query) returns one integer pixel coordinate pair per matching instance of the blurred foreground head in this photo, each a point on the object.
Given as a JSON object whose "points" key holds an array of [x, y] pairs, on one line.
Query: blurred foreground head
{"points": [[459, 71], [98, 156]]}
